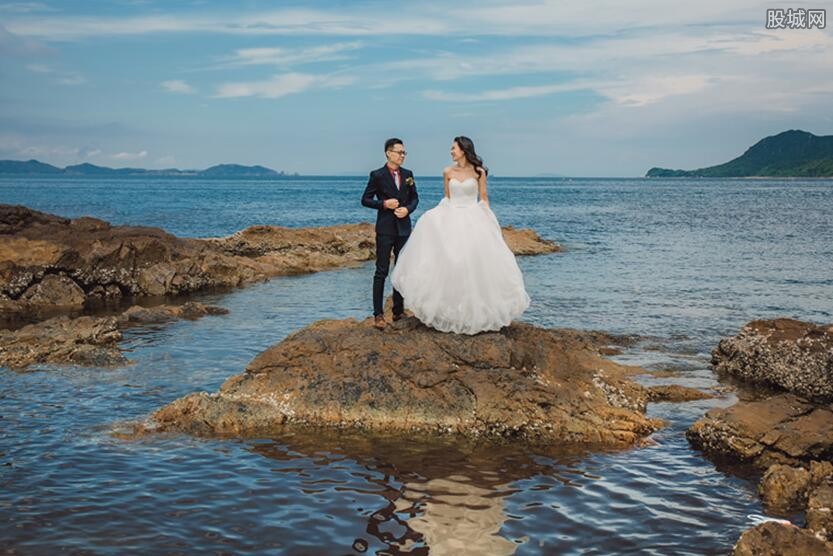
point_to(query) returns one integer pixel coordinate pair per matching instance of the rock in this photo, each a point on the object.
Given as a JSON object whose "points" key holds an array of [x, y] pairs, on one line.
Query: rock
{"points": [[820, 471], [82, 341], [783, 488], [676, 393], [790, 428], [776, 539], [786, 432], [538, 385], [820, 511], [781, 429], [86, 340], [789, 354], [54, 292], [787, 490], [163, 313], [303, 250], [48, 263], [527, 242]]}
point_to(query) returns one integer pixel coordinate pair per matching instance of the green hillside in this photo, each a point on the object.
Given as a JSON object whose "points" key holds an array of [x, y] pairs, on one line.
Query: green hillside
{"points": [[793, 153]]}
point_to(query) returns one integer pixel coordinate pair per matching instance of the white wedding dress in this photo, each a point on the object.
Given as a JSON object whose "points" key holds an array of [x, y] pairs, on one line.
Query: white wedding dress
{"points": [[456, 272]]}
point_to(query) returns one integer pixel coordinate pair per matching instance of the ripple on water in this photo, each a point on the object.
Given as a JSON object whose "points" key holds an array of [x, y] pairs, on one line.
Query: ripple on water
{"points": [[680, 263]]}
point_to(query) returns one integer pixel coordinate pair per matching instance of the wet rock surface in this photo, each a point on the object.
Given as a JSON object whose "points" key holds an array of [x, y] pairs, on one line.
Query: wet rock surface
{"points": [[523, 382], [792, 423], [51, 265], [86, 340], [785, 353], [786, 428], [781, 429], [776, 539], [676, 393]]}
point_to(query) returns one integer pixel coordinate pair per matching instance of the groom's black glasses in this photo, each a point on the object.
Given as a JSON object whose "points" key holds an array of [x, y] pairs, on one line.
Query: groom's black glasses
{"points": [[403, 153]]}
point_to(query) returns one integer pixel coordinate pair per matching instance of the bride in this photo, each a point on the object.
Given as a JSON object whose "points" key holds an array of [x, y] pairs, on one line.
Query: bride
{"points": [[456, 272]]}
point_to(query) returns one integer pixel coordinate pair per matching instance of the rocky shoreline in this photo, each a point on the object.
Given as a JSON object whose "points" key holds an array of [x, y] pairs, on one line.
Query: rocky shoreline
{"points": [[785, 430], [51, 265]]}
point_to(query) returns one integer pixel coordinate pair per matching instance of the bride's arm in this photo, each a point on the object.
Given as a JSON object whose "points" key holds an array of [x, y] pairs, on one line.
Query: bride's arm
{"points": [[484, 198]]}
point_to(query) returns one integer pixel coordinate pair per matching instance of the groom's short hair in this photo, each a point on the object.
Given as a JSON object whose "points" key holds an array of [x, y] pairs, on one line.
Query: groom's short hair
{"points": [[391, 142]]}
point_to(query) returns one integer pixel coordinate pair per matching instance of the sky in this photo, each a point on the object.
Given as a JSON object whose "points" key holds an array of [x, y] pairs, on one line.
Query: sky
{"points": [[581, 88]]}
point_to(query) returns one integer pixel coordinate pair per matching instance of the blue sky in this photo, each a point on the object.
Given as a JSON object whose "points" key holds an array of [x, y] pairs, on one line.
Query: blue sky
{"points": [[596, 88]]}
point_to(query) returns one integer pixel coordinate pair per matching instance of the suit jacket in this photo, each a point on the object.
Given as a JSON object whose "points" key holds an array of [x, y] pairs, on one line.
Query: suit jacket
{"points": [[380, 186]]}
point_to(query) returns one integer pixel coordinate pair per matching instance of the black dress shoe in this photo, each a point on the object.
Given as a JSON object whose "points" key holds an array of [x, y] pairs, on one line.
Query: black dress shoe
{"points": [[379, 322]]}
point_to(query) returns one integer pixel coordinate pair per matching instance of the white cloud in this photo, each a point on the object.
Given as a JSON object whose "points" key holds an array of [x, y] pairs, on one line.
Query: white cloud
{"points": [[71, 79], [61, 77], [167, 160], [510, 93], [545, 18], [287, 57], [638, 92], [178, 86], [129, 156], [655, 88], [281, 85], [25, 7], [278, 22], [13, 44]]}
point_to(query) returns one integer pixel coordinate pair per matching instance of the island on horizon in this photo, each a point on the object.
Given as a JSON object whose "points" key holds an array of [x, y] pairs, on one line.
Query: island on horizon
{"points": [[789, 154], [36, 167]]}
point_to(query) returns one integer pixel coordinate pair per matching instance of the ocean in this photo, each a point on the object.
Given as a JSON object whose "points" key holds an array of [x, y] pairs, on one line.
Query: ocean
{"points": [[679, 262]]}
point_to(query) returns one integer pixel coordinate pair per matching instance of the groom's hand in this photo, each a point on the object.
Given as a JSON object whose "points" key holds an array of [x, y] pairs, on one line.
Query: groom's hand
{"points": [[391, 203], [401, 212]]}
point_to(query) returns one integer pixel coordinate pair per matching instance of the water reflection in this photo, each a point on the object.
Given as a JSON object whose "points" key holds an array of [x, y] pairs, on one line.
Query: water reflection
{"points": [[445, 495], [457, 517]]}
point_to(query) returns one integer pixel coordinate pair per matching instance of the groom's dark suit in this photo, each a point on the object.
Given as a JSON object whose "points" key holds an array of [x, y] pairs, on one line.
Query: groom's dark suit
{"points": [[391, 231]]}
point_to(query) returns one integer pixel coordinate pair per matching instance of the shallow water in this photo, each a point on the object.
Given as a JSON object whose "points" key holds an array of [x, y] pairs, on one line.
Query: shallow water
{"points": [[683, 262]]}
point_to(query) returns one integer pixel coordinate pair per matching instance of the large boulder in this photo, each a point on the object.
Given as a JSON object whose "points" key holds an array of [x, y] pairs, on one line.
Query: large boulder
{"points": [[778, 539], [48, 263], [539, 385], [780, 429], [784, 353], [785, 488], [789, 419]]}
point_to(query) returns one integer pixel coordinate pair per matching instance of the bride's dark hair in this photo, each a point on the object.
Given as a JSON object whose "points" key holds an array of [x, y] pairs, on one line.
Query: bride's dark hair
{"points": [[467, 146]]}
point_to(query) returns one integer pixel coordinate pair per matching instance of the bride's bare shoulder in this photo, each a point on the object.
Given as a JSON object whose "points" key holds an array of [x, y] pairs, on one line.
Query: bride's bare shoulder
{"points": [[447, 171]]}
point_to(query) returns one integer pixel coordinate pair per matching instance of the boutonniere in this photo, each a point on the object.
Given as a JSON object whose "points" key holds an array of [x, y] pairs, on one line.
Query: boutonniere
{"points": [[409, 181]]}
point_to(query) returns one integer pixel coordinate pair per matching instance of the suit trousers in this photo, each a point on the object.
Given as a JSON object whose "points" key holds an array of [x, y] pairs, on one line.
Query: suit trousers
{"points": [[384, 244]]}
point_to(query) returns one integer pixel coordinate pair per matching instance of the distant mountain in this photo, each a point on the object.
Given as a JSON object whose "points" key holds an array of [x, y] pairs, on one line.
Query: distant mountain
{"points": [[87, 169], [236, 170], [27, 167], [792, 153], [34, 167]]}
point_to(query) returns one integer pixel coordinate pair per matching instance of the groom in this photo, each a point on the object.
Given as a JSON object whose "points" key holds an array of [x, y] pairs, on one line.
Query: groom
{"points": [[391, 190]]}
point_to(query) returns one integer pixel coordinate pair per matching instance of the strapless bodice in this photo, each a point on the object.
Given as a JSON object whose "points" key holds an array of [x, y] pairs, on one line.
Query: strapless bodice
{"points": [[462, 193]]}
